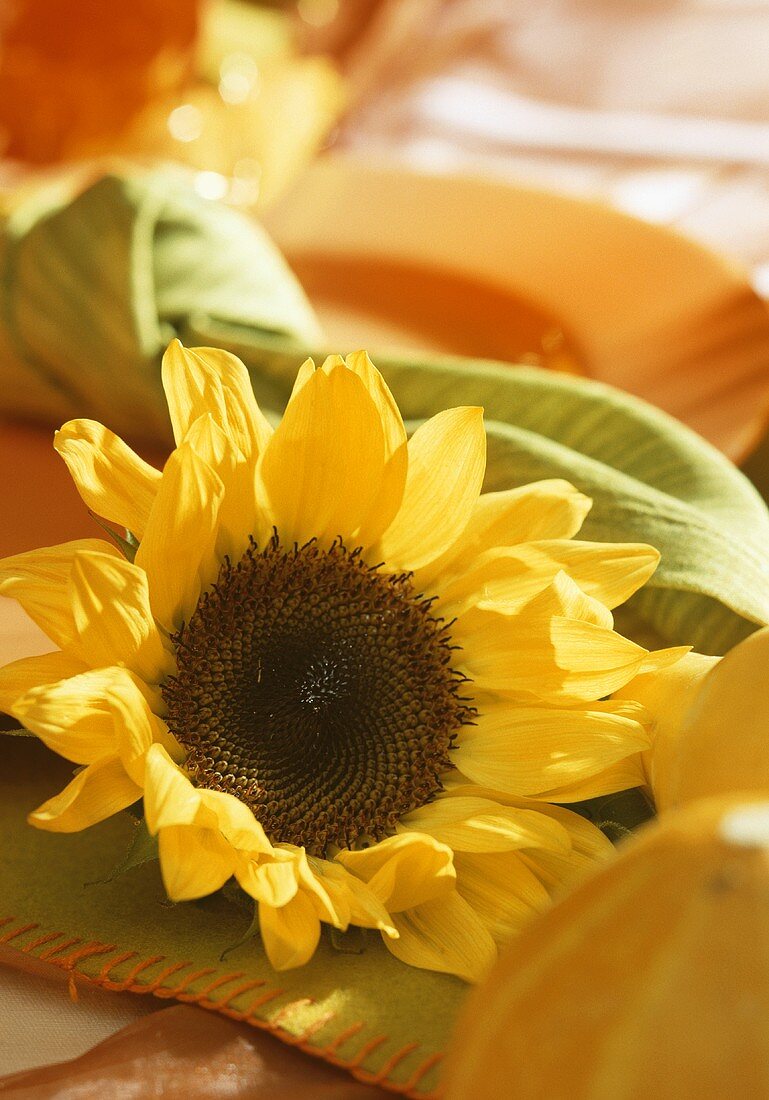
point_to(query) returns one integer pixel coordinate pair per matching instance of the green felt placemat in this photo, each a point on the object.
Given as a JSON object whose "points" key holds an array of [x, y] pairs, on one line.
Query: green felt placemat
{"points": [[385, 1021]]}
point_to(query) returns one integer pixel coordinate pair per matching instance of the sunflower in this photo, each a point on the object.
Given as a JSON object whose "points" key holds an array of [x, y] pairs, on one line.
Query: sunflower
{"points": [[330, 667]]}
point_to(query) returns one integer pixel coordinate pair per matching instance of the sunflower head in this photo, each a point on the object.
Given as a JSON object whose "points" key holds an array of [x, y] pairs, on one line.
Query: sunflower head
{"points": [[331, 660], [334, 669]]}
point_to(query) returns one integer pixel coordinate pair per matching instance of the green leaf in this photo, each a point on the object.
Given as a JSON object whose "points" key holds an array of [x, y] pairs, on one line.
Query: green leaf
{"points": [[127, 544], [617, 815], [651, 479], [251, 932], [20, 732], [142, 848]]}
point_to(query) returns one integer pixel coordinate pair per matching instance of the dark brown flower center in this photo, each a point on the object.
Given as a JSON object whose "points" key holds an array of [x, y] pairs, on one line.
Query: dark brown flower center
{"points": [[319, 691]]}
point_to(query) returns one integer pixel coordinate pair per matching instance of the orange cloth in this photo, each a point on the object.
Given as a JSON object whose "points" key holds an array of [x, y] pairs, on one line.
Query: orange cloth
{"points": [[187, 1052]]}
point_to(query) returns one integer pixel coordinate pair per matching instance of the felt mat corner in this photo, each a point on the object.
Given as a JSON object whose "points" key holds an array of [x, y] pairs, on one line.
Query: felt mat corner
{"points": [[386, 1022]]}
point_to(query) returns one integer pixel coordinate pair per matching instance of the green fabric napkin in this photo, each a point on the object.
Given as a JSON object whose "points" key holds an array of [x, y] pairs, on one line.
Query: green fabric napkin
{"points": [[368, 1012], [93, 288]]}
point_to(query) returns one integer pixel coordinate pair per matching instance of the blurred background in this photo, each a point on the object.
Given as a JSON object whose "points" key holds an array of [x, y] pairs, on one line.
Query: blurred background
{"points": [[657, 107]]}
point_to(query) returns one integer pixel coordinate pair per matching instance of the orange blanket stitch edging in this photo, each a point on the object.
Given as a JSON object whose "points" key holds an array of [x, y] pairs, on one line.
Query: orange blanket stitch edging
{"points": [[80, 950]]}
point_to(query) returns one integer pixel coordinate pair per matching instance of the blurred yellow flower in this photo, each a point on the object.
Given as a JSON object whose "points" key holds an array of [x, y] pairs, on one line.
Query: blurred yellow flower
{"points": [[650, 980], [331, 667], [711, 724]]}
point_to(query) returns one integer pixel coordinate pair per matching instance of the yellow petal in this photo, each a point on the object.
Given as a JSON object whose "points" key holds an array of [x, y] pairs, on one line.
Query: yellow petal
{"points": [[481, 825], [305, 373], [323, 467], [39, 580], [675, 697], [536, 595], [274, 882], [502, 890], [600, 661], [620, 776], [446, 464], [289, 934], [73, 717], [543, 510], [112, 480], [169, 796], [445, 935], [22, 676], [238, 510], [111, 609], [608, 573], [536, 751], [403, 871], [208, 380], [177, 551], [235, 821], [194, 862], [385, 506], [588, 843], [136, 727], [544, 654], [352, 900], [171, 799], [97, 792]]}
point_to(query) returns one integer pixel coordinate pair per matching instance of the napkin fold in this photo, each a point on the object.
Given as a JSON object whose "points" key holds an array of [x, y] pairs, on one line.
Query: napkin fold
{"points": [[93, 286]]}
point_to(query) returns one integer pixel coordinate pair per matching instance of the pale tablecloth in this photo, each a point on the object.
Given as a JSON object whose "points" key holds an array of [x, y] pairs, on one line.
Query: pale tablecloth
{"points": [[658, 107]]}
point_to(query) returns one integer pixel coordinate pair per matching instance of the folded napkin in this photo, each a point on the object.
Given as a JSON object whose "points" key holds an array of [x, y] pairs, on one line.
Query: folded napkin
{"points": [[95, 286]]}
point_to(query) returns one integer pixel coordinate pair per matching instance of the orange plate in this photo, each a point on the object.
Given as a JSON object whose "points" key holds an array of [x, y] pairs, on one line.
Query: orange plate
{"points": [[397, 259]]}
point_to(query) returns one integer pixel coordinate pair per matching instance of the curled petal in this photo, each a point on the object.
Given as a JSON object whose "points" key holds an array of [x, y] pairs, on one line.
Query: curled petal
{"points": [[39, 580], [194, 862], [137, 728], [290, 934], [112, 480], [353, 901], [170, 799], [74, 717], [208, 380], [96, 793], [22, 676], [403, 871], [274, 882]]}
